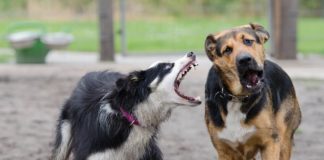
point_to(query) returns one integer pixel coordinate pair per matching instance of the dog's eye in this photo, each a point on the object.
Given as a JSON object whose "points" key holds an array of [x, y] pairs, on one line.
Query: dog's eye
{"points": [[228, 50], [248, 42]]}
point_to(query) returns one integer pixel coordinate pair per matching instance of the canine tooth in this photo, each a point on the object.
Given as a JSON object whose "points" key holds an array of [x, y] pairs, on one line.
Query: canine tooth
{"points": [[248, 86]]}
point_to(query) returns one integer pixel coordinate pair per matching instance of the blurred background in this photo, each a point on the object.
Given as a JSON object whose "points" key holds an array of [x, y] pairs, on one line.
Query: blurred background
{"points": [[47, 45], [156, 26]]}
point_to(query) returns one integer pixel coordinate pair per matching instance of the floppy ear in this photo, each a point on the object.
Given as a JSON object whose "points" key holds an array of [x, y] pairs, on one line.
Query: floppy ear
{"points": [[210, 46], [261, 32]]}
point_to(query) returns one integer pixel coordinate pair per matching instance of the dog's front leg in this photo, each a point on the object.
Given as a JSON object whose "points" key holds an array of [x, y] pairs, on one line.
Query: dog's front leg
{"points": [[271, 151], [285, 148]]}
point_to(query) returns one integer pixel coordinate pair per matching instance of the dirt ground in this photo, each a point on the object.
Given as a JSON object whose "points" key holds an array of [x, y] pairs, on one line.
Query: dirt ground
{"points": [[31, 97]]}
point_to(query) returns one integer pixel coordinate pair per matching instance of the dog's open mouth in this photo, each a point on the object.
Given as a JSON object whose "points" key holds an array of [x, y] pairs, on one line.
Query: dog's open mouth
{"points": [[253, 79], [182, 73]]}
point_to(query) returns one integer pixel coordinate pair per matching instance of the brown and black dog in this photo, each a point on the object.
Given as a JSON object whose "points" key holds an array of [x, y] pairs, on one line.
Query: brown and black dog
{"points": [[251, 104]]}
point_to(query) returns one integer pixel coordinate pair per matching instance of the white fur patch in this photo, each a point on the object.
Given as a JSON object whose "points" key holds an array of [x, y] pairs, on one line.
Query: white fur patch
{"points": [[107, 108], [133, 148], [103, 116], [62, 150], [234, 130], [154, 83]]}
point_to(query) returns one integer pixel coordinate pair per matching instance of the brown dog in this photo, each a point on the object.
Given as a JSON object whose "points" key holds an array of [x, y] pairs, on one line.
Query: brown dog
{"points": [[251, 103]]}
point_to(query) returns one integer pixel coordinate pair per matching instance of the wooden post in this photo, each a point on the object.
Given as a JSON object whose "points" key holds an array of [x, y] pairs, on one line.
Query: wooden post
{"points": [[284, 28], [123, 42], [106, 34]]}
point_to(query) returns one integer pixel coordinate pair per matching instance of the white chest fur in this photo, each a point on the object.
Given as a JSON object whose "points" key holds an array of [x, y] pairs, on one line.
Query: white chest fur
{"points": [[133, 148], [234, 129]]}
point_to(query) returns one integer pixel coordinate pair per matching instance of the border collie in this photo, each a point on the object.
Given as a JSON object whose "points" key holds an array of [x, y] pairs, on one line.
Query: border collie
{"points": [[115, 116]]}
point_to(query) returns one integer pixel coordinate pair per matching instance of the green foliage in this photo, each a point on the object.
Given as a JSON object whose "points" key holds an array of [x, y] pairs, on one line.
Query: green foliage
{"points": [[311, 4], [313, 8], [7, 5], [212, 6], [205, 7], [78, 5]]}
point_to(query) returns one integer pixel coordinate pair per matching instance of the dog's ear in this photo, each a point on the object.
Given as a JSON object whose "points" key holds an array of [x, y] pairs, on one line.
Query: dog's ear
{"points": [[261, 32], [210, 46], [136, 76], [132, 79]]}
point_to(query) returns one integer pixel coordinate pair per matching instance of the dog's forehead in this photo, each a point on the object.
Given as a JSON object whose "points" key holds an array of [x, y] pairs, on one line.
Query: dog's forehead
{"points": [[231, 33]]}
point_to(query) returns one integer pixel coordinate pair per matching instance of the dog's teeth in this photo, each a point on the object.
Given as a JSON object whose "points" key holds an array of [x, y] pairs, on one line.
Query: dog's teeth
{"points": [[248, 86]]}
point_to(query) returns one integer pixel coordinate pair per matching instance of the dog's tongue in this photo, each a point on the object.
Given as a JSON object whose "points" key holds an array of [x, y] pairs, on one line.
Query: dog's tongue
{"points": [[253, 78]]}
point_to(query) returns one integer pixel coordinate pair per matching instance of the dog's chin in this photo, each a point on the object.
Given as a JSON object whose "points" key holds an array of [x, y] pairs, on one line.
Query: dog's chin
{"points": [[252, 89], [252, 81]]}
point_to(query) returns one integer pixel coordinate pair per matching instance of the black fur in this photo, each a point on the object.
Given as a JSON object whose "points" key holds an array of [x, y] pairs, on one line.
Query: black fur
{"points": [[215, 103], [278, 82], [277, 85], [118, 90]]}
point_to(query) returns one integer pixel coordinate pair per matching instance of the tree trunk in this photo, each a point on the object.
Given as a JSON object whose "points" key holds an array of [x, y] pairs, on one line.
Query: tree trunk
{"points": [[284, 15], [106, 34]]}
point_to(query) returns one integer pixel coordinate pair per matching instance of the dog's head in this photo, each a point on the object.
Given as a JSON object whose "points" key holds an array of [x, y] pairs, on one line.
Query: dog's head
{"points": [[161, 79], [239, 55]]}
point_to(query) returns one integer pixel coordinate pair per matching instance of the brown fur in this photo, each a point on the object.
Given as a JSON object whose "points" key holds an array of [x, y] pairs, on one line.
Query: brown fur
{"points": [[274, 132]]}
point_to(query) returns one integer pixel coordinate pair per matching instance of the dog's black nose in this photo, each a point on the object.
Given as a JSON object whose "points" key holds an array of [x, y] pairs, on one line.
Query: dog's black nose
{"points": [[190, 54], [244, 59]]}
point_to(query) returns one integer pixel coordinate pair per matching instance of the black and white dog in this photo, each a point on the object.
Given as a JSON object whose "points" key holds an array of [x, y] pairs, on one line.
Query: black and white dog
{"points": [[111, 116]]}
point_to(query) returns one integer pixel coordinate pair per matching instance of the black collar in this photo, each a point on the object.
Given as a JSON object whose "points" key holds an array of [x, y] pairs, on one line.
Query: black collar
{"points": [[229, 97]]}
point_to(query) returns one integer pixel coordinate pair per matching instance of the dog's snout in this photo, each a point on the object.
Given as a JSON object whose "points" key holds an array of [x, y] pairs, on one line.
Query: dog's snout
{"points": [[190, 54], [244, 59]]}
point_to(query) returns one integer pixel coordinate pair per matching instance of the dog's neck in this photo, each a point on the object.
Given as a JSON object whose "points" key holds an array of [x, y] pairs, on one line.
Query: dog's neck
{"points": [[152, 112]]}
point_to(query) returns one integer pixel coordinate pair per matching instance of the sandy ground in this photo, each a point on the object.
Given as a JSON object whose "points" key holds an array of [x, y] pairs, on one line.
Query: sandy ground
{"points": [[31, 97]]}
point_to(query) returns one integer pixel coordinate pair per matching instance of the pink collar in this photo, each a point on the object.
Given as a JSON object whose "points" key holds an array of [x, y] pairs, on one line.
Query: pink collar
{"points": [[130, 118]]}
